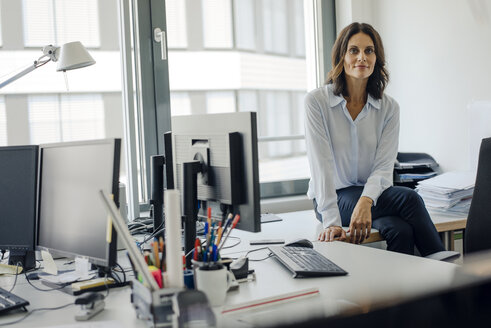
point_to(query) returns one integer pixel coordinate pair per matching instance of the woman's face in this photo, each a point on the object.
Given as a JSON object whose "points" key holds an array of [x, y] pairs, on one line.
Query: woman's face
{"points": [[360, 57]]}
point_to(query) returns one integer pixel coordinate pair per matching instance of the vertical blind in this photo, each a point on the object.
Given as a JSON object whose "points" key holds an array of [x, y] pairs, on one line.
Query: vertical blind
{"points": [[176, 23], [217, 24], [60, 21], [55, 118]]}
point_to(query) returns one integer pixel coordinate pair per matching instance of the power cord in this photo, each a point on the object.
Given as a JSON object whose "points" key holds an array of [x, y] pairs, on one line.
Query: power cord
{"points": [[32, 311], [16, 275], [258, 249]]}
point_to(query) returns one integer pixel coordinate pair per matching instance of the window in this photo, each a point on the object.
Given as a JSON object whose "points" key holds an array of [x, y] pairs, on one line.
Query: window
{"points": [[3, 123], [275, 27], [220, 102], [55, 118], [176, 23], [245, 24], [1, 40], [58, 22], [261, 47], [180, 103], [217, 23]]}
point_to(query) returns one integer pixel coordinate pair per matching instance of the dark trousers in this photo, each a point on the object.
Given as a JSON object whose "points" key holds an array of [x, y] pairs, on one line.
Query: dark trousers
{"points": [[400, 217]]}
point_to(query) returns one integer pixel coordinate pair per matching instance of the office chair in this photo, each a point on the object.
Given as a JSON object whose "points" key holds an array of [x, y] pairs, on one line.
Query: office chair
{"points": [[478, 229]]}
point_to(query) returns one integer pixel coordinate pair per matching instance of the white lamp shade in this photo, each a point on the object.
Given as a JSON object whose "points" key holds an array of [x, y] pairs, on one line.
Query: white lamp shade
{"points": [[73, 55]]}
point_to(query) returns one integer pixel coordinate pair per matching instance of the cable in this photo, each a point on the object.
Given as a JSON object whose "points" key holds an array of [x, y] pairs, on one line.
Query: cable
{"points": [[259, 260], [255, 250], [16, 274], [230, 246], [32, 311]]}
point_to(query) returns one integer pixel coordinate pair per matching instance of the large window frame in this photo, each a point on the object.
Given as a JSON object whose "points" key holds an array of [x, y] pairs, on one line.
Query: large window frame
{"points": [[146, 94]]}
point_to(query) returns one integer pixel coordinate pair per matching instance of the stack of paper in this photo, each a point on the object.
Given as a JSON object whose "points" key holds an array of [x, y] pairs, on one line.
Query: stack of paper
{"points": [[451, 191]]}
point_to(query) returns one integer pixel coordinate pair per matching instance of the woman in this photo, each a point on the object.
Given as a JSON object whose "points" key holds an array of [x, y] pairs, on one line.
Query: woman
{"points": [[352, 132]]}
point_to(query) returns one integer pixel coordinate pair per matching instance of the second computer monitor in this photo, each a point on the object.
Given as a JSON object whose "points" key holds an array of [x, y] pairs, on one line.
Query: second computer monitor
{"points": [[227, 144], [72, 217]]}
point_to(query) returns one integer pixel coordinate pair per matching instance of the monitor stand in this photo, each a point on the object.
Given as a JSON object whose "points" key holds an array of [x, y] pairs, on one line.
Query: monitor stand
{"points": [[26, 259]]}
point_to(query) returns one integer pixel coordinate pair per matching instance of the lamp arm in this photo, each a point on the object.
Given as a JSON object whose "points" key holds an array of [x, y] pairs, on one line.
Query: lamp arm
{"points": [[48, 51]]}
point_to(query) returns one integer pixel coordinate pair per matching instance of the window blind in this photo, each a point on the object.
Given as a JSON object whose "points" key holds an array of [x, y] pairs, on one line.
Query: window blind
{"points": [[176, 23], [217, 24], [60, 21], [55, 118]]}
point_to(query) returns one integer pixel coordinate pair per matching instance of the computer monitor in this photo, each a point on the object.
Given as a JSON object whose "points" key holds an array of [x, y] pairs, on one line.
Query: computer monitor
{"points": [[72, 217], [18, 188], [226, 147]]}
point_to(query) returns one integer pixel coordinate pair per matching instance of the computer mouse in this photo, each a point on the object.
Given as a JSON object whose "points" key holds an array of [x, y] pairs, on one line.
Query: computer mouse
{"points": [[300, 243]]}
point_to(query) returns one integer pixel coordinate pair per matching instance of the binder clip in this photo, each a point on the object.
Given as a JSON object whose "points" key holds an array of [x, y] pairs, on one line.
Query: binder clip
{"points": [[91, 304]]}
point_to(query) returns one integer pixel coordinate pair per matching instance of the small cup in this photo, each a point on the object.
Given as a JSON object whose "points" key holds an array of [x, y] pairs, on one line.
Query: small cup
{"points": [[214, 280], [189, 278]]}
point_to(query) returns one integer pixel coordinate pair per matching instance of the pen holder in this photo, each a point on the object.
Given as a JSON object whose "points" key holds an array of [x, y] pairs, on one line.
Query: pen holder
{"points": [[213, 279]]}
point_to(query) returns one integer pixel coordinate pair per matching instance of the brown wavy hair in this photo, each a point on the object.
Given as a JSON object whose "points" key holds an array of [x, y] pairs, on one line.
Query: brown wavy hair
{"points": [[380, 76]]}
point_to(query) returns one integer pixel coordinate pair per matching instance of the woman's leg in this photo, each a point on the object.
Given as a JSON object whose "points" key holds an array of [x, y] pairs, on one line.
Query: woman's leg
{"points": [[396, 232], [408, 205]]}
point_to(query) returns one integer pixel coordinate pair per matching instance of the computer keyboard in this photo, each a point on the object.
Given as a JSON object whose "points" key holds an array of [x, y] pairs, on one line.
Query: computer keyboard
{"points": [[306, 262], [9, 301]]}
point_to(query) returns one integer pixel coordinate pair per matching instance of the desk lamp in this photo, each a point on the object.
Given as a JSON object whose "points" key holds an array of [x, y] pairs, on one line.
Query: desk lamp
{"points": [[69, 56]]}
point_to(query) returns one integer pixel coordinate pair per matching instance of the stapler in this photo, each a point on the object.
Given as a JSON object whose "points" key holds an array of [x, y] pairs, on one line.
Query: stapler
{"points": [[91, 304]]}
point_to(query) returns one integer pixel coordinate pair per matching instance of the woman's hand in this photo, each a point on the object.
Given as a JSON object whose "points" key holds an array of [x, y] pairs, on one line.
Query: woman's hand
{"points": [[332, 233], [361, 221]]}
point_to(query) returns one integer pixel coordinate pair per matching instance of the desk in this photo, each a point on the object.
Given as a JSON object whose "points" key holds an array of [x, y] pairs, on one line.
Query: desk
{"points": [[445, 224], [375, 276]]}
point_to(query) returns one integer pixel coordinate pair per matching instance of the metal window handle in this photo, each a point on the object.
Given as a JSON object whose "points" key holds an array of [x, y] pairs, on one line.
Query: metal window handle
{"points": [[159, 36]]}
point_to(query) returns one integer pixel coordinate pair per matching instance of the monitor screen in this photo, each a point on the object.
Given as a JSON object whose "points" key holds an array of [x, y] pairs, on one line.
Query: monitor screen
{"points": [[72, 217], [227, 145], [18, 187]]}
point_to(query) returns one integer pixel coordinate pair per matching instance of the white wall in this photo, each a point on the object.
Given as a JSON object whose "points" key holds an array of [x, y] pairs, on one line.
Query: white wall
{"points": [[439, 57]]}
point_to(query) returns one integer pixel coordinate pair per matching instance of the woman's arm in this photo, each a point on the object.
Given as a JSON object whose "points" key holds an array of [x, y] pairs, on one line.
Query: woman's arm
{"points": [[322, 167], [382, 172]]}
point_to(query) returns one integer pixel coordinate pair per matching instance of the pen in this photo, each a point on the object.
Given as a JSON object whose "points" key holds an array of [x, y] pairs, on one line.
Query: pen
{"points": [[228, 221], [219, 235], [162, 261], [156, 254], [209, 215], [196, 247], [236, 220], [215, 253]]}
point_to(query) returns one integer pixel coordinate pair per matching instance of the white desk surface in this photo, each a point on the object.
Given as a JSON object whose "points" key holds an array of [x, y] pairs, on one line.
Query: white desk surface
{"points": [[375, 276]]}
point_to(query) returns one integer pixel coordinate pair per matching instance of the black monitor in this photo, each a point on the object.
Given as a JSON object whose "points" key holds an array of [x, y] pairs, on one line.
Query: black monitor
{"points": [[18, 187], [72, 218], [221, 149]]}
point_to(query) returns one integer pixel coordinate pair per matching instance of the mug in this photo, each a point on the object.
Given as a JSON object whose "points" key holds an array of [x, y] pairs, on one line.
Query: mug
{"points": [[214, 280]]}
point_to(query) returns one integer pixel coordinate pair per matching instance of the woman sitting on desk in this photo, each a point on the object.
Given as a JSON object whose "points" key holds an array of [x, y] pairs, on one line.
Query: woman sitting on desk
{"points": [[352, 133]]}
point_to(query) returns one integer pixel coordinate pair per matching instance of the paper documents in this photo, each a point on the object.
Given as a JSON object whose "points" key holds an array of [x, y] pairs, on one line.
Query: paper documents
{"points": [[451, 191]]}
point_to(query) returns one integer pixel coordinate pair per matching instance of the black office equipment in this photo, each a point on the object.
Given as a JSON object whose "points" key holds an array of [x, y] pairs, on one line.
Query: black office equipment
{"points": [[410, 168], [306, 262], [157, 197], [18, 188], [478, 227], [9, 301], [216, 163], [72, 218]]}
